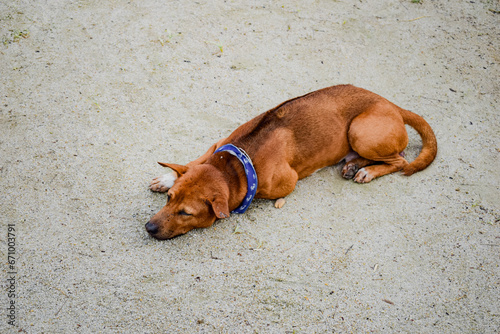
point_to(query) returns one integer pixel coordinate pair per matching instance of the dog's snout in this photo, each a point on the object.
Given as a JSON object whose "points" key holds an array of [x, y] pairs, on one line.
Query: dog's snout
{"points": [[151, 228]]}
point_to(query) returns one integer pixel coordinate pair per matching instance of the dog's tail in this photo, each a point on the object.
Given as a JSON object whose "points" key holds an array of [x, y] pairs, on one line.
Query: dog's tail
{"points": [[429, 143]]}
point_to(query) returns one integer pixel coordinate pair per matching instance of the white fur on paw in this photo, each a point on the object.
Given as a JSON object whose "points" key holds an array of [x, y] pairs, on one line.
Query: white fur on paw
{"points": [[279, 203], [163, 183], [362, 176]]}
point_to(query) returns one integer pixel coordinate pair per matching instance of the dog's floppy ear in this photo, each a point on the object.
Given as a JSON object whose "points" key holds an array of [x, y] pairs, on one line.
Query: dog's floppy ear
{"points": [[179, 169], [220, 207]]}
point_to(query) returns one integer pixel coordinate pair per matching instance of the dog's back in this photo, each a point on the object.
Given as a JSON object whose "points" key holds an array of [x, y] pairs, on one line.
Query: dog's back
{"points": [[309, 131]]}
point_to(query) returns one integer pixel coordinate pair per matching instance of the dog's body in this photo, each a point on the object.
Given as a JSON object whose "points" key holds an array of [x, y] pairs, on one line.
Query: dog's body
{"points": [[288, 143]]}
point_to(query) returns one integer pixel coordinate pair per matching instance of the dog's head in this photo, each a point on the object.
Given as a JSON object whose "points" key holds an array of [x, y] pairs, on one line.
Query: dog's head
{"points": [[198, 197]]}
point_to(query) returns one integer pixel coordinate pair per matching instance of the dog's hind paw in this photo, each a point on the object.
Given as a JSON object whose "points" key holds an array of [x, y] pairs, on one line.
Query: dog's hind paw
{"points": [[162, 183], [363, 176], [350, 169]]}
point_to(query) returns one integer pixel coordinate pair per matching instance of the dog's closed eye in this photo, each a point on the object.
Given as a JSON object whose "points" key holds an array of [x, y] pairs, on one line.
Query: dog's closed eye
{"points": [[184, 213]]}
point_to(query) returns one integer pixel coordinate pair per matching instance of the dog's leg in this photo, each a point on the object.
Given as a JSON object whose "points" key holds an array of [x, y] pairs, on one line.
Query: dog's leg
{"points": [[378, 135], [279, 203], [162, 183], [353, 166], [279, 183], [366, 174]]}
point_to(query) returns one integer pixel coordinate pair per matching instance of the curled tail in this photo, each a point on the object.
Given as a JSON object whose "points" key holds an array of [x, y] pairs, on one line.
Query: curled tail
{"points": [[429, 143]]}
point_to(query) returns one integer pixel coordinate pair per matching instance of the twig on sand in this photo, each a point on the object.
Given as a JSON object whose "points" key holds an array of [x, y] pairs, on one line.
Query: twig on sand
{"points": [[417, 18], [214, 257]]}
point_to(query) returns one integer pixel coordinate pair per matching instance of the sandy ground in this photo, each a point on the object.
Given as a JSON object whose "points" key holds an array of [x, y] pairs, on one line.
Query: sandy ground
{"points": [[93, 93]]}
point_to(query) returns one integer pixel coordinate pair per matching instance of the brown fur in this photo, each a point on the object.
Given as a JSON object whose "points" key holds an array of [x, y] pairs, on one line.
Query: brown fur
{"points": [[288, 143]]}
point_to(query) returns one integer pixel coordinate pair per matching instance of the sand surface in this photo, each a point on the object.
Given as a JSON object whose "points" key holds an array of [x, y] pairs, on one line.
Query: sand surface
{"points": [[93, 93]]}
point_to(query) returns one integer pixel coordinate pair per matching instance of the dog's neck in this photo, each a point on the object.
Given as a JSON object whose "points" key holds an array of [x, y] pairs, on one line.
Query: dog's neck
{"points": [[250, 173], [235, 177]]}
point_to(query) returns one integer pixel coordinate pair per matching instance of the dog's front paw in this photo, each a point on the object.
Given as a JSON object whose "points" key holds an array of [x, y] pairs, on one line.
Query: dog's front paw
{"points": [[279, 203], [363, 176], [163, 183], [350, 169]]}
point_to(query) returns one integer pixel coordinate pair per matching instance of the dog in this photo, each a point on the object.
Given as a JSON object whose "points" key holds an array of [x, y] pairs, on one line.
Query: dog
{"points": [[265, 157]]}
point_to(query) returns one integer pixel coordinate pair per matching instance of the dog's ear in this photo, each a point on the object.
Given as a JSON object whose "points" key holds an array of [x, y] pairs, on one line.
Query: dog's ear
{"points": [[220, 207], [179, 169]]}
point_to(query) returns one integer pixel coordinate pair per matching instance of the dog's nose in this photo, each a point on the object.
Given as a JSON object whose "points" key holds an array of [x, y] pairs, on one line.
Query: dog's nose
{"points": [[151, 228]]}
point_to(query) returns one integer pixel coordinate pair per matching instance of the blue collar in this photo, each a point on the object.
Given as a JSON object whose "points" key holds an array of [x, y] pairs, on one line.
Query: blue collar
{"points": [[249, 171]]}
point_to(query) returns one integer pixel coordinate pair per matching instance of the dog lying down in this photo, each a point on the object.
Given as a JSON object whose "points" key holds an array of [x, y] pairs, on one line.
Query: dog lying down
{"points": [[265, 157]]}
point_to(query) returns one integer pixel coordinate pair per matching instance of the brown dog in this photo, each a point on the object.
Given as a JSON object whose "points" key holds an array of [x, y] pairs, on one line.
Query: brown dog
{"points": [[285, 144]]}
